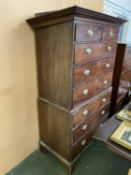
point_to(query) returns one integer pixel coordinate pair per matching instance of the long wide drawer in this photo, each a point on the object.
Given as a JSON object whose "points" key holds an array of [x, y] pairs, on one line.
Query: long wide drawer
{"points": [[87, 90], [90, 124], [92, 69], [81, 144], [94, 51], [81, 114]]}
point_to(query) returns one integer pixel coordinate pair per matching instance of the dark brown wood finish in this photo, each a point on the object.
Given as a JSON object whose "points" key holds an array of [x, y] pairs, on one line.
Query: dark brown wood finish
{"points": [[91, 107], [93, 69], [54, 60], [110, 33], [69, 12], [55, 128], [94, 51], [75, 50], [88, 32], [89, 125], [87, 90]]}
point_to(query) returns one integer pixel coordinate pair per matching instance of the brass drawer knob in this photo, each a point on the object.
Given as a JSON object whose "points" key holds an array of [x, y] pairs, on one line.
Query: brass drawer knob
{"points": [[104, 100], [85, 92], [109, 48], [90, 32], [107, 65], [85, 113], [83, 142], [84, 128], [86, 72], [103, 112], [88, 51], [111, 34], [105, 81]]}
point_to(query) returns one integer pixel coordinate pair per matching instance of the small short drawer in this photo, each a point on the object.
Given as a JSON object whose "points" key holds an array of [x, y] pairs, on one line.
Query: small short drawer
{"points": [[87, 90], [87, 126], [93, 52], [110, 33], [92, 69], [88, 32], [83, 113]]}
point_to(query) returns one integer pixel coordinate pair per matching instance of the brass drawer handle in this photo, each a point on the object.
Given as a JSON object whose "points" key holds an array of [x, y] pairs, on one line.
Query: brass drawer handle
{"points": [[85, 113], [111, 34], [104, 100], [109, 48], [86, 72], [88, 51], [84, 128], [108, 65], [90, 32], [105, 82], [103, 112], [83, 142], [85, 92]]}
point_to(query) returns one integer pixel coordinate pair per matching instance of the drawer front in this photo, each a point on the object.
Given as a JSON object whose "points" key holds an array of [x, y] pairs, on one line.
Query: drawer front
{"points": [[79, 146], [84, 140], [93, 69], [86, 127], [110, 33], [86, 90], [93, 51], [88, 32], [84, 112]]}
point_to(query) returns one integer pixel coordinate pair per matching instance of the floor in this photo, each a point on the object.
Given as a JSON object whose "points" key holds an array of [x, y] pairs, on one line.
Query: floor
{"points": [[96, 160]]}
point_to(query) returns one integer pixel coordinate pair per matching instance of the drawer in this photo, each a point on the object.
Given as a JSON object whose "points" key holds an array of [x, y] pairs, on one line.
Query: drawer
{"points": [[87, 126], [88, 32], [110, 33], [93, 51], [81, 144], [92, 69], [83, 113], [86, 90]]}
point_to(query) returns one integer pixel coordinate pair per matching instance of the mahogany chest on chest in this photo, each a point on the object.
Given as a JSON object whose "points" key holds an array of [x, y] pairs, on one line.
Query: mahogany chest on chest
{"points": [[76, 51]]}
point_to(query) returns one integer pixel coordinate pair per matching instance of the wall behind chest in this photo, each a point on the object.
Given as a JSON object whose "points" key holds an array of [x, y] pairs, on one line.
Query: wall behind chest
{"points": [[18, 85]]}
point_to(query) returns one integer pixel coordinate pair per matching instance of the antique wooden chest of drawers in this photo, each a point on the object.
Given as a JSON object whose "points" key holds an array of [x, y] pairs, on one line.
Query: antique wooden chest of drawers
{"points": [[76, 51]]}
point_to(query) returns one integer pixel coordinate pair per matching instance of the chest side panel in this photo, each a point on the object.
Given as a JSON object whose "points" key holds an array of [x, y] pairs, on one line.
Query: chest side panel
{"points": [[54, 61]]}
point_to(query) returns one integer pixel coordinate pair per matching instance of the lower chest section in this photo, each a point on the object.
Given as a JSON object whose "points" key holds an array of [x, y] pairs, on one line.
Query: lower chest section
{"points": [[69, 132]]}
